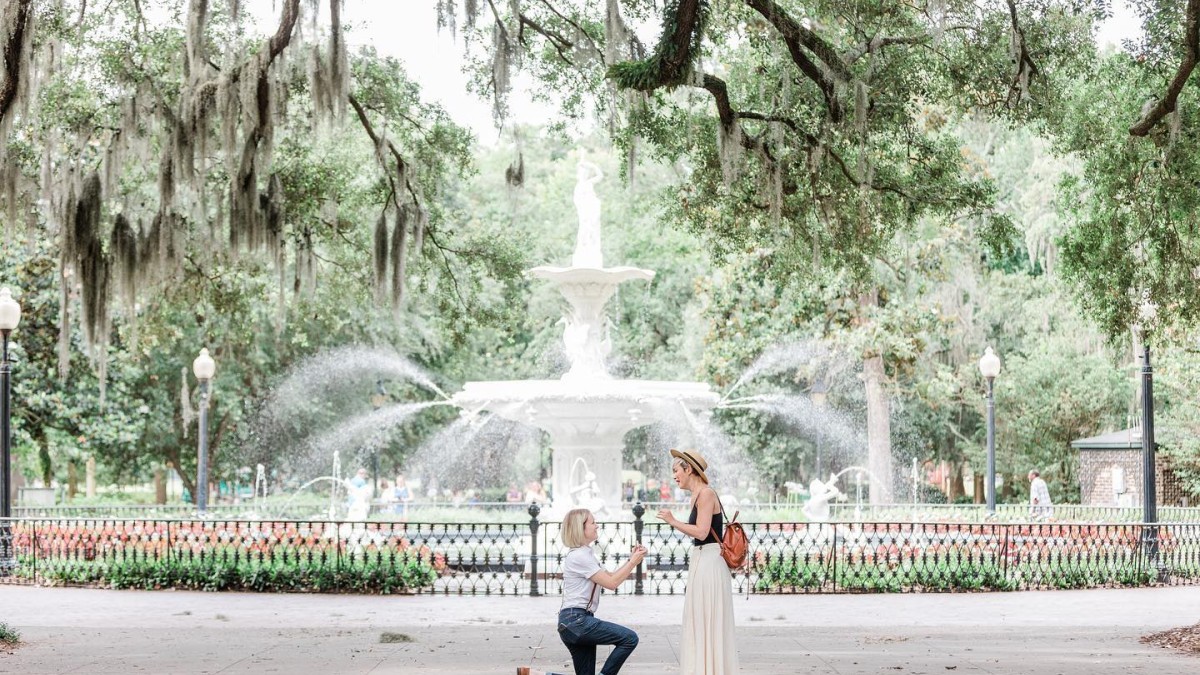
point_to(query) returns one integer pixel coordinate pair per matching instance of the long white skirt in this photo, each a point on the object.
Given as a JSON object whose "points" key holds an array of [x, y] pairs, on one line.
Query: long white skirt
{"points": [[708, 647]]}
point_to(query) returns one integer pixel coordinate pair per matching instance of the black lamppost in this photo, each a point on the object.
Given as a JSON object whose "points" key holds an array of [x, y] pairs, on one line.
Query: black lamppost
{"points": [[818, 394], [1147, 313], [379, 398], [989, 367], [10, 316], [204, 368]]}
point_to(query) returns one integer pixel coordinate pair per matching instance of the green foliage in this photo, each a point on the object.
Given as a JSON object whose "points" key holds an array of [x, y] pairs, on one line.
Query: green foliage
{"points": [[1132, 209], [8, 635], [374, 576], [935, 573], [1177, 427]]}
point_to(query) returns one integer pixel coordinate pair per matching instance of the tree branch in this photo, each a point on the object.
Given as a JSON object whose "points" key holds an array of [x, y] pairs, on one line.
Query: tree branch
{"points": [[794, 31], [798, 38], [560, 43], [1166, 105], [401, 163], [877, 43], [671, 63], [1023, 58]]}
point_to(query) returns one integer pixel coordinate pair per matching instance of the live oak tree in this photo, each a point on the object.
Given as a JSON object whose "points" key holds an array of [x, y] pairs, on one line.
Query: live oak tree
{"points": [[145, 136], [192, 183], [813, 131]]}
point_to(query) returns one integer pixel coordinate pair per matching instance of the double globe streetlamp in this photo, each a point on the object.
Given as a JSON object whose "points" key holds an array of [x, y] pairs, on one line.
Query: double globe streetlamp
{"points": [[204, 368], [10, 316], [989, 367]]}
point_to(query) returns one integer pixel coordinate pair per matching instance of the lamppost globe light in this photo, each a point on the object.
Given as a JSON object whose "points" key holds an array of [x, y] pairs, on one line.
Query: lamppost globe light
{"points": [[1147, 311], [989, 364], [204, 367], [10, 311], [989, 367]]}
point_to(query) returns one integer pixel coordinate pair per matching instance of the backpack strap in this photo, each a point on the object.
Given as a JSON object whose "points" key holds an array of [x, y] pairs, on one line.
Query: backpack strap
{"points": [[725, 518]]}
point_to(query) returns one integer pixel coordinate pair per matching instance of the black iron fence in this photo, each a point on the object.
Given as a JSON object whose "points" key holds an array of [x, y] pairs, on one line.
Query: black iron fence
{"points": [[838, 512], [526, 558]]}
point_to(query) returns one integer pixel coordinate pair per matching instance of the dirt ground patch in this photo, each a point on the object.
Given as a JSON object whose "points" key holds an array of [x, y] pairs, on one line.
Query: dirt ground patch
{"points": [[1186, 639]]}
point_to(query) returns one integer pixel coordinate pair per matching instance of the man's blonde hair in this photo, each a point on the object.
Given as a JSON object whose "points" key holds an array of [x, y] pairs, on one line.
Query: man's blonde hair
{"points": [[572, 527]]}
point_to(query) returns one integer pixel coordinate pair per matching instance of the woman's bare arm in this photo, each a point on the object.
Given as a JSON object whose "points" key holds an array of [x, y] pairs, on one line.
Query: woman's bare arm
{"points": [[706, 506], [611, 580]]}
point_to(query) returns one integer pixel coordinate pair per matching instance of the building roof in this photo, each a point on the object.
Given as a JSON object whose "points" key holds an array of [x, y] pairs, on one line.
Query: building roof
{"points": [[1125, 439]]}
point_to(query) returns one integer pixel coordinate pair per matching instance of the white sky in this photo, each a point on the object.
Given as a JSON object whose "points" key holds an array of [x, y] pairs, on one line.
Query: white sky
{"points": [[407, 29]]}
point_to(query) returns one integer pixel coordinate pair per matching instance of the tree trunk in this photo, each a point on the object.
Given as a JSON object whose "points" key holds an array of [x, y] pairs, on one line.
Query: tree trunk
{"points": [[189, 482], [1010, 487], [45, 463], [955, 481], [879, 441], [879, 432]]}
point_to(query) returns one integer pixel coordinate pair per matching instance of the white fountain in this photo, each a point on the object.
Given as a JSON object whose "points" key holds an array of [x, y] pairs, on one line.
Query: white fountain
{"points": [[587, 413]]}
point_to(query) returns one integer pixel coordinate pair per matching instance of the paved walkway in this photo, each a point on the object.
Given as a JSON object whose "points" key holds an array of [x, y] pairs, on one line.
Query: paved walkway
{"points": [[1070, 632]]}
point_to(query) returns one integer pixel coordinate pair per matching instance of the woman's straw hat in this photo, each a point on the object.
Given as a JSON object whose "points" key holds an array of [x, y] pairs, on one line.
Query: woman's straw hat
{"points": [[695, 460]]}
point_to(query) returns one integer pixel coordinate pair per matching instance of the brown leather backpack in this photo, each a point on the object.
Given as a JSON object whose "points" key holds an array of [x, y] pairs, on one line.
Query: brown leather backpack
{"points": [[734, 544]]}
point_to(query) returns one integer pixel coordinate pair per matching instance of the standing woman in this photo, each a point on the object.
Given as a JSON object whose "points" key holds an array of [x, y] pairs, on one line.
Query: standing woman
{"points": [[583, 577], [707, 647]]}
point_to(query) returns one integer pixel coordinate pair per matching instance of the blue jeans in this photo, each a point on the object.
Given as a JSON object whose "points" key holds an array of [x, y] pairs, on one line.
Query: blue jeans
{"points": [[580, 631]]}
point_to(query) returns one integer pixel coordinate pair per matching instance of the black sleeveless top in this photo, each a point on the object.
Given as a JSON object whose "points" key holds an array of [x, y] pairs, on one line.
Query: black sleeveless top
{"points": [[718, 524]]}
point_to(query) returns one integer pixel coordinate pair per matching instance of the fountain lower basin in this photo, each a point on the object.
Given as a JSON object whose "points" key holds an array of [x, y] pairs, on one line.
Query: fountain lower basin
{"points": [[587, 422]]}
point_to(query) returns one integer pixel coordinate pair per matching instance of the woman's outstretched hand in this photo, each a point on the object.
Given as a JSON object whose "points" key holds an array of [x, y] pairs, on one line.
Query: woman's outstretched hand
{"points": [[666, 516]]}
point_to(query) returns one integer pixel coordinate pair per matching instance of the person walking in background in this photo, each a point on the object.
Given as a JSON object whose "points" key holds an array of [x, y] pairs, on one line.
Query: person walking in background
{"points": [[401, 496], [583, 577], [1040, 506], [707, 646]]}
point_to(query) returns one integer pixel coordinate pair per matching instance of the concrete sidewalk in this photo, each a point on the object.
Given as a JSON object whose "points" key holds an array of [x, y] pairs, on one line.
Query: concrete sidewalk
{"points": [[95, 631]]}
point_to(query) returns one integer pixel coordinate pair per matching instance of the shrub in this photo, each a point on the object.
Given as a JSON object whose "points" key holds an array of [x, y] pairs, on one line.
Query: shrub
{"points": [[215, 575]]}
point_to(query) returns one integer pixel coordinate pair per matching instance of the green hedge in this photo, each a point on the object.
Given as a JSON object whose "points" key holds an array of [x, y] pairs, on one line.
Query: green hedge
{"points": [[208, 575], [792, 575]]}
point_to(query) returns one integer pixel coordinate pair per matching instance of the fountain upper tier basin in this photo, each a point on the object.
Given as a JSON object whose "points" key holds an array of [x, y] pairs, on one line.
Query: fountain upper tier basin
{"points": [[603, 276], [599, 403]]}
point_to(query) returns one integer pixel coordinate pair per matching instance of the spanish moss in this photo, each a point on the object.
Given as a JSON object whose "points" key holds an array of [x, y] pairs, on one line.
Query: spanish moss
{"points": [[399, 249]]}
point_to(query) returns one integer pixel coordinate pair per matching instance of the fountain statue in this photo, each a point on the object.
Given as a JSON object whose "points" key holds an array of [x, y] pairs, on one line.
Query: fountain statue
{"points": [[587, 204], [587, 413], [585, 492], [820, 493]]}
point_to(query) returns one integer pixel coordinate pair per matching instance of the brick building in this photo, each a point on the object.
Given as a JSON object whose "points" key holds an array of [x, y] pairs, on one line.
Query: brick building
{"points": [[1110, 472]]}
